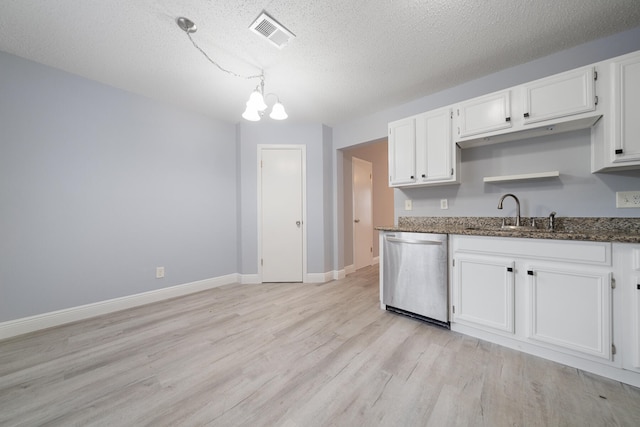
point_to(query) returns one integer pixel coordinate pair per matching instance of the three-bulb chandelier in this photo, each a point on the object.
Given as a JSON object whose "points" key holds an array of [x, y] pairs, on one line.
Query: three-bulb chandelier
{"points": [[256, 105]]}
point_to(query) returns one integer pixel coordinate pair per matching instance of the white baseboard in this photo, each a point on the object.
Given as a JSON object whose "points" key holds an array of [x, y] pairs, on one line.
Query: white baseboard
{"points": [[250, 279], [349, 269], [376, 260], [25, 325], [253, 279], [339, 274], [319, 277]]}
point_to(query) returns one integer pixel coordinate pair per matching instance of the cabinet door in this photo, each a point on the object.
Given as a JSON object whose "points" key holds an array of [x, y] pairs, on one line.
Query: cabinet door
{"points": [[635, 339], [483, 292], [484, 114], [626, 127], [563, 95], [402, 154], [570, 309], [434, 148]]}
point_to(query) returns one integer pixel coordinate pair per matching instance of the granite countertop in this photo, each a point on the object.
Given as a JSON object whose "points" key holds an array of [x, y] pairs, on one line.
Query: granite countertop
{"points": [[622, 230]]}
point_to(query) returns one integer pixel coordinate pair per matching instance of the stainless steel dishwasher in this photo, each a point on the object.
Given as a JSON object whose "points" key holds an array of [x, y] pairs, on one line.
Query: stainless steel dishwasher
{"points": [[415, 276]]}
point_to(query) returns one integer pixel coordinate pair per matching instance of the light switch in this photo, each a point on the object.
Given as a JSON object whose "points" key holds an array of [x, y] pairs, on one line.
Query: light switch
{"points": [[408, 205]]}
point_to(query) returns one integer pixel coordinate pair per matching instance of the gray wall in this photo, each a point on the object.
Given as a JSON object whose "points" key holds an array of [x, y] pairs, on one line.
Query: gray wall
{"points": [[316, 139], [328, 207], [99, 186], [576, 193]]}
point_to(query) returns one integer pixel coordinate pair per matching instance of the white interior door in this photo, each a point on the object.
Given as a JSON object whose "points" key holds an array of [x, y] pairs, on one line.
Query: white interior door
{"points": [[362, 213], [281, 173]]}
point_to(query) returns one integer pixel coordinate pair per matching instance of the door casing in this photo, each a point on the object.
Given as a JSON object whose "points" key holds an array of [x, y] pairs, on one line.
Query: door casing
{"points": [[362, 213]]}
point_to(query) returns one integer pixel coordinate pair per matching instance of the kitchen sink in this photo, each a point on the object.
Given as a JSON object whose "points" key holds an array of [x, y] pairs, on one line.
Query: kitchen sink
{"points": [[508, 228], [523, 228]]}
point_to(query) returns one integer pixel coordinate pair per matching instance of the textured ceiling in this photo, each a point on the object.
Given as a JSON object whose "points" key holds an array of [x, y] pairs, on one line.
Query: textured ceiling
{"points": [[349, 57]]}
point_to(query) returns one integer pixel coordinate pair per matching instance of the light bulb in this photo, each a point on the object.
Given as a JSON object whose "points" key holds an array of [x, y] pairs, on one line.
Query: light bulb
{"points": [[277, 112], [256, 101], [251, 114]]}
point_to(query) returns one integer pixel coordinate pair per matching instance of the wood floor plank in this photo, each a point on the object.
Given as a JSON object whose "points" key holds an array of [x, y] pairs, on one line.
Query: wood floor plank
{"points": [[284, 354]]}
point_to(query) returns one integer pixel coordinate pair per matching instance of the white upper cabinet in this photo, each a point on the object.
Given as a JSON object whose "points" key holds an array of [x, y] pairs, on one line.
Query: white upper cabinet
{"points": [[421, 151], [560, 103], [558, 96], [615, 140], [484, 114], [402, 152], [626, 110], [435, 152]]}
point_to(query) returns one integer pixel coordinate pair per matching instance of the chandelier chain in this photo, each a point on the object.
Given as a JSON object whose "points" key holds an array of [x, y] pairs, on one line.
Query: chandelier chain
{"points": [[256, 76]]}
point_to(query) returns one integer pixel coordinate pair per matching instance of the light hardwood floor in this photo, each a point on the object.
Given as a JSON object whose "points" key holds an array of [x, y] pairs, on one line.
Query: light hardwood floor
{"points": [[290, 355]]}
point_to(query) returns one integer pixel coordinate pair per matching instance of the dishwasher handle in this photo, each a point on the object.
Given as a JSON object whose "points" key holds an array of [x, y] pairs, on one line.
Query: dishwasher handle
{"points": [[394, 239]]}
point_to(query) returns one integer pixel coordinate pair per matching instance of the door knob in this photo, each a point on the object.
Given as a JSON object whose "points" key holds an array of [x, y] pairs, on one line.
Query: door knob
{"points": [[298, 223], [356, 220]]}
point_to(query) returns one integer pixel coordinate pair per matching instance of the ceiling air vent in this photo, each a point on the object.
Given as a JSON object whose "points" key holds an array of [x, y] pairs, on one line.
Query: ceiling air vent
{"points": [[267, 27]]}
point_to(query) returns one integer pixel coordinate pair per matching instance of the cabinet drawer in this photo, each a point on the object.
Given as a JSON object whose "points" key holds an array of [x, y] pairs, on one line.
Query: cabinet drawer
{"points": [[594, 253]]}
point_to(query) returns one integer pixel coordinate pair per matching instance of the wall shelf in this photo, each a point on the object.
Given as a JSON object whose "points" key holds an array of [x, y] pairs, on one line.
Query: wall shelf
{"points": [[522, 177]]}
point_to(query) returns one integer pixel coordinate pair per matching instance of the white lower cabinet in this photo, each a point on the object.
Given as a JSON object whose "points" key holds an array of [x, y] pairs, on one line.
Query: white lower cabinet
{"points": [[634, 354], [627, 264], [544, 292], [569, 308], [573, 302], [484, 292]]}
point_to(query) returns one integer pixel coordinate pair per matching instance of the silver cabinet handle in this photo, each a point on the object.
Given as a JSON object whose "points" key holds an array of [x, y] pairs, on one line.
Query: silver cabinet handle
{"points": [[413, 241], [298, 223]]}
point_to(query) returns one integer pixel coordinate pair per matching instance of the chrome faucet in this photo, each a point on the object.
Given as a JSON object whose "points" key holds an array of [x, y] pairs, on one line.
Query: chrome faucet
{"points": [[552, 221], [517, 206]]}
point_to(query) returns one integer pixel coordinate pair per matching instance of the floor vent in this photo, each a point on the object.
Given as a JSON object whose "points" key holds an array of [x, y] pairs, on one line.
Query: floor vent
{"points": [[270, 29]]}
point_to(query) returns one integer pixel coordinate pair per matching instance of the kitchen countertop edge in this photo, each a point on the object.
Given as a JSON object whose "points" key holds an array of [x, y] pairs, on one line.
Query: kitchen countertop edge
{"points": [[591, 235]]}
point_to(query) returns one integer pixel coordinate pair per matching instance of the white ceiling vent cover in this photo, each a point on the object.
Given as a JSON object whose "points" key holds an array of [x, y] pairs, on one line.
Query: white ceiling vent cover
{"points": [[270, 29]]}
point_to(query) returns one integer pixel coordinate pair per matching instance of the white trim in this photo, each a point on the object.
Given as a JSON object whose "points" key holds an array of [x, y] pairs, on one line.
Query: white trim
{"points": [[319, 277], [376, 260], [25, 325], [339, 274], [250, 279], [369, 165], [349, 269]]}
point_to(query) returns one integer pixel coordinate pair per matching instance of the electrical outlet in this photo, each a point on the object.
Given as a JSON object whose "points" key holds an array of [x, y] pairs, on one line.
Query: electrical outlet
{"points": [[444, 204], [159, 272], [408, 205], [628, 199]]}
